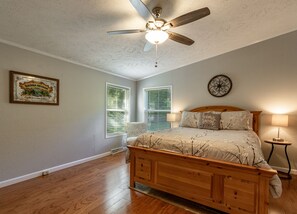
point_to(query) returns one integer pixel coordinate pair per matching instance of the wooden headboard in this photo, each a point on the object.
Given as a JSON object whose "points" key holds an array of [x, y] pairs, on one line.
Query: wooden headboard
{"points": [[256, 114]]}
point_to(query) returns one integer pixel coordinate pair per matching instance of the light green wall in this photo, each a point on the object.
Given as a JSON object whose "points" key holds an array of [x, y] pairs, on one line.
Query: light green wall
{"points": [[36, 137], [264, 78]]}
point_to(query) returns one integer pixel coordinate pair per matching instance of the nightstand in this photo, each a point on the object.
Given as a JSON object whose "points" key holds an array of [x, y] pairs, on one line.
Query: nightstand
{"points": [[285, 144]]}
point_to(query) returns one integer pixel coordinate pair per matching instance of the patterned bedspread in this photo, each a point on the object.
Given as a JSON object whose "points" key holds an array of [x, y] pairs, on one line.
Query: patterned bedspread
{"points": [[229, 145]]}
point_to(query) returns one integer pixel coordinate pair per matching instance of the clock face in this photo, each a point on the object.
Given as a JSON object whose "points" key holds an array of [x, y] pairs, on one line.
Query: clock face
{"points": [[219, 85]]}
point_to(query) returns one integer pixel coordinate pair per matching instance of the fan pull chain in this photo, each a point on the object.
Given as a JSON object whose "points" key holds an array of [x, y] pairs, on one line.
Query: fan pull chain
{"points": [[156, 63]]}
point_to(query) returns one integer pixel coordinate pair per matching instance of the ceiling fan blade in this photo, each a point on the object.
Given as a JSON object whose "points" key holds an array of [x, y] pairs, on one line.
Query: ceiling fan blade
{"points": [[115, 32], [142, 9], [148, 46], [190, 17], [180, 38]]}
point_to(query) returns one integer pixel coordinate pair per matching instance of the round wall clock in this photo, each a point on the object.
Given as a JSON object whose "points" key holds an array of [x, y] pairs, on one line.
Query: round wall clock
{"points": [[219, 85]]}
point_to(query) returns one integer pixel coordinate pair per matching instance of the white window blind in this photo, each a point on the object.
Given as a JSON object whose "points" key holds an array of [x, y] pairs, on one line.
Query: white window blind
{"points": [[117, 109], [157, 105]]}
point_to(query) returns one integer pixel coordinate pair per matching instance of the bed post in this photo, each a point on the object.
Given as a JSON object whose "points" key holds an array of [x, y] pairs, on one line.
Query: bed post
{"points": [[263, 194], [132, 168], [256, 122]]}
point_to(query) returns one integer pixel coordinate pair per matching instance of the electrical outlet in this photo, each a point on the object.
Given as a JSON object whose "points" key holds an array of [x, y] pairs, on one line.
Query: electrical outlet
{"points": [[44, 173]]}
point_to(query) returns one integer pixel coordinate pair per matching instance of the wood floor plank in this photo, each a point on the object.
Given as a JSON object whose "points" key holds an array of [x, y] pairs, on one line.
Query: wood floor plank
{"points": [[101, 186]]}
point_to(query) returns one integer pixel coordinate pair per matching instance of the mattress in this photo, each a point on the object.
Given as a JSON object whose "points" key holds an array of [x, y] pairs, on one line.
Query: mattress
{"points": [[237, 146]]}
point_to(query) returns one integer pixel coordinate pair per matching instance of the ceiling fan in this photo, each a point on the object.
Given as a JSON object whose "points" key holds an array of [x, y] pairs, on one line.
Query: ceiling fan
{"points": [[157, 29]]}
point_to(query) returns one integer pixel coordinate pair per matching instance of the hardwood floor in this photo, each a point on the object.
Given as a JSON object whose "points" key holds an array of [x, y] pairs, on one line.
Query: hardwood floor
{"points": [[287, 203], [101, 186]]}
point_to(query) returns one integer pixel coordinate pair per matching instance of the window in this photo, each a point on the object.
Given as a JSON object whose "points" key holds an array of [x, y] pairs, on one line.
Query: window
{"points": [[117, 109], [157, 105]]}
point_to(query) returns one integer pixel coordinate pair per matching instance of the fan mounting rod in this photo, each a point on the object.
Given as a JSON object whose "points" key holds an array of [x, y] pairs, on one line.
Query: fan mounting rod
{"points": [[157, 11]]}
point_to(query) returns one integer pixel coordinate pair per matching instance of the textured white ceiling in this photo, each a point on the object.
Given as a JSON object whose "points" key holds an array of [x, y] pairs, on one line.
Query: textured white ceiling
{"points": [[76, 30]]}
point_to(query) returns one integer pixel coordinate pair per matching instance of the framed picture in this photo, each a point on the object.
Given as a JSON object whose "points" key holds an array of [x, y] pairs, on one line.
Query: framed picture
{"points": [[33, 89]]}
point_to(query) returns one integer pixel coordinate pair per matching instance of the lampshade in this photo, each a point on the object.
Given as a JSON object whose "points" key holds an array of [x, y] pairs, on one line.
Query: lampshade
{"points": [[173, 117], [156, 36], [279, 120]]}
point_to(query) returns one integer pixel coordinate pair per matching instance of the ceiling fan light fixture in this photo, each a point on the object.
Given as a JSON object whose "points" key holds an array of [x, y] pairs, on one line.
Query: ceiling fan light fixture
{"points": [[159, 22], [166, 26], [150, 25], [156, 36]]}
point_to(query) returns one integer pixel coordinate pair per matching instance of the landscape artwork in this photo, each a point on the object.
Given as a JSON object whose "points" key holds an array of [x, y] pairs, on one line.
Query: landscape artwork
{"points": [[33, 89]]}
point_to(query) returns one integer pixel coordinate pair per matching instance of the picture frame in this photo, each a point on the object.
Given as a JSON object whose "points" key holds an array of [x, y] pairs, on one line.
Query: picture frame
{"points": [[33, 89]]}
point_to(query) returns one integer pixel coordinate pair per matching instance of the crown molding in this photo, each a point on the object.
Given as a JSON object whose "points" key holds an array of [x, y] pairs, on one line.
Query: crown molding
{"points": [[6, 42]]}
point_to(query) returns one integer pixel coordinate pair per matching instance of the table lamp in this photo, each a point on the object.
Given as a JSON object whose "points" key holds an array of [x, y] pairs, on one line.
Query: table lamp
{"points": [[173, 117], [279, 120]]}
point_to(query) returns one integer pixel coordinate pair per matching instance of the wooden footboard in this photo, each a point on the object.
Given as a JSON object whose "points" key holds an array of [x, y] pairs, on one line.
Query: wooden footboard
{"points": [[229, 187]]}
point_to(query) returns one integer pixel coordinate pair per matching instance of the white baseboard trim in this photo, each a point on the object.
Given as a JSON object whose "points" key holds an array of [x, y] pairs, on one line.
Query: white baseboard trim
{"points": [[50, 170], [282, 169]]}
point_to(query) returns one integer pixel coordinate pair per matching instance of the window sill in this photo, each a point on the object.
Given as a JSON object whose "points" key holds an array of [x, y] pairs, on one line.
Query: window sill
{"points": [[114, 135]]}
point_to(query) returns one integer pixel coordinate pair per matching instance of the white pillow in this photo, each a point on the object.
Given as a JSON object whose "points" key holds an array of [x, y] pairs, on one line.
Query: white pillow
{"points": [[236, 120], [190, 119]]}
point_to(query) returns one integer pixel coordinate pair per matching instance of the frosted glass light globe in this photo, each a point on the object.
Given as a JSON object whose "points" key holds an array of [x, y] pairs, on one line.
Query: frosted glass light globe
{"points": [[156, 36]]}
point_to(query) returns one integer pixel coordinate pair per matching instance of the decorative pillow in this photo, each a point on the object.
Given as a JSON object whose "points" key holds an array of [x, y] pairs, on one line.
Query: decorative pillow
{"points": [[210, 120], [190, 119], [236, 120], [133, 129]]}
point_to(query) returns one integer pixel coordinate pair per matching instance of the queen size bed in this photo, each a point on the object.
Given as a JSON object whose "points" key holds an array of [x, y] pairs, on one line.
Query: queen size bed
{"points": [[223, 169]]}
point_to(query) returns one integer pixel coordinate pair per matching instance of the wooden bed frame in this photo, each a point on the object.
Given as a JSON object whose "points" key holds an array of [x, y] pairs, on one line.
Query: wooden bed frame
{"points": [[229, 187]]}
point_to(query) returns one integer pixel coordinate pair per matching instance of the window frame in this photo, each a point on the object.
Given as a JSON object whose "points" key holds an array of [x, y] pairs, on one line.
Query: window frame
{"points": [[145, 98], [106, 109]]}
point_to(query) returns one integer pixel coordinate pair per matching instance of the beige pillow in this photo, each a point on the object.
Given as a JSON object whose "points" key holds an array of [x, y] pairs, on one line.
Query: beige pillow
{"points": [[236, 120], [251, 121], [190, 119], [210, 120]]}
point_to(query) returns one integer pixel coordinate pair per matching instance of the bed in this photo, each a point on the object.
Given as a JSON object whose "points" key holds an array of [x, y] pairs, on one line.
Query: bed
{"points": [[179, 168]]}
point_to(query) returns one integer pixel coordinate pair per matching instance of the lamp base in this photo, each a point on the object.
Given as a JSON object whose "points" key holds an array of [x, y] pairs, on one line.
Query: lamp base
{"points": [[278, 139]]}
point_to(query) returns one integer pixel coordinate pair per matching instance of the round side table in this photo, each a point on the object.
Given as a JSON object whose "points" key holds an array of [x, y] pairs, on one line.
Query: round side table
{"points": [[282, 143]]}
